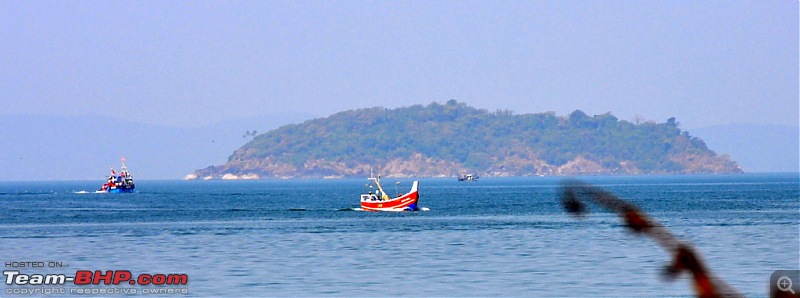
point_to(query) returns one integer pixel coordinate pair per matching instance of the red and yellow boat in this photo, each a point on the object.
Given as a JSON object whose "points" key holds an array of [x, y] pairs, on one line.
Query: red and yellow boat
{"points": [[376, 198]]}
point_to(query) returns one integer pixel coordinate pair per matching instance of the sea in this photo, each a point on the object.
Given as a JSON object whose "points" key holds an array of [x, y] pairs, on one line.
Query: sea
{"points": [[495, 237]]}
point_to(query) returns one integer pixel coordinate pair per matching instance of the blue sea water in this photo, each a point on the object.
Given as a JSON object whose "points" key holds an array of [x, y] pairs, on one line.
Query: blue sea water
{"points": [[495, 237]]}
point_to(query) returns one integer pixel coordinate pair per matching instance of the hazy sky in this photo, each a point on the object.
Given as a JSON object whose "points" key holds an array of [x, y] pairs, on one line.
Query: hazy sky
{"points": [[189, 63]]}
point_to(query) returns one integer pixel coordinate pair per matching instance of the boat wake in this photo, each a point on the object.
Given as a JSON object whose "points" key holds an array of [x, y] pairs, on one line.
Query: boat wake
{"points": [[87, 192], [359, 209], [351, 209]]}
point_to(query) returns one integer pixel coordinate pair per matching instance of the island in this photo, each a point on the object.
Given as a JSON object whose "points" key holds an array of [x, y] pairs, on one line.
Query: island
{"points": [[445, 140]]}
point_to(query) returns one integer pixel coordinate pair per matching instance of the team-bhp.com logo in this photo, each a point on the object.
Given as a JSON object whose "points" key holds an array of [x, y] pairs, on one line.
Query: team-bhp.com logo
{"points": [[86, 277], [48, 284]]}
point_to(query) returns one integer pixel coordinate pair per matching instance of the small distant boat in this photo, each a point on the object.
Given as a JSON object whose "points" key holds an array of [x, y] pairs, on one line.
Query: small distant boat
{"points": [[118, 183], [468, 177], [376, 198]]}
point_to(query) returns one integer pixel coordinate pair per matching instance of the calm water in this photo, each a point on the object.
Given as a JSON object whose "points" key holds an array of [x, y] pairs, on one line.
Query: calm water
{"points": [[495, 237]]}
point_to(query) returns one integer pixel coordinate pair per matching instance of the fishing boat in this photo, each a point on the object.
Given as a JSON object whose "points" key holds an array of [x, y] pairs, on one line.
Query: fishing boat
{"points": [[376, 199], [468, 177], [121, 182]]}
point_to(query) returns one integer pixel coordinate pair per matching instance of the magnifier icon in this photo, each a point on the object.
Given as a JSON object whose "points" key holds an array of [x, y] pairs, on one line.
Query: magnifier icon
{"points": [[785, 284]]}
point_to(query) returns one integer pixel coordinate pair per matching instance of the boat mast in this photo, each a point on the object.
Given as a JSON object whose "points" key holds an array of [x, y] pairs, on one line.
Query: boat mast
{"points": [[378, 184], [124, 168]]}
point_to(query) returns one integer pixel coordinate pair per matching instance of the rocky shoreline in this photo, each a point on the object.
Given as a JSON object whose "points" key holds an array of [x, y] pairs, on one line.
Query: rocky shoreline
{"points": [[421, 166]]}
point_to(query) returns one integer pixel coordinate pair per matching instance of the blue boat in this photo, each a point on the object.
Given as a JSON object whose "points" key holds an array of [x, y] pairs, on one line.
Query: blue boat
{"points": [[118, 183]]}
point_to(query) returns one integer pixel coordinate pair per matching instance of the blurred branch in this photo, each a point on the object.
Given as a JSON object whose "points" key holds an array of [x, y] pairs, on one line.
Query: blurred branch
{"points": [[684, 257]]}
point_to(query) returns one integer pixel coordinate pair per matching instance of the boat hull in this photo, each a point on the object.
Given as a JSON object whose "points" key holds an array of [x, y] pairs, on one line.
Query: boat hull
{"points": [[120, 190]]}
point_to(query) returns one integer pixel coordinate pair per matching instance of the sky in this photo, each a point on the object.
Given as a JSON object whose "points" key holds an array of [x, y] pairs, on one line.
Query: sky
{"points": [[193, 63]]}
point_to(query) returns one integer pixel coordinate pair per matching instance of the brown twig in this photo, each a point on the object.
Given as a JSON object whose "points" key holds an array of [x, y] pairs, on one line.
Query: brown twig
{"points": [[684, 256]]}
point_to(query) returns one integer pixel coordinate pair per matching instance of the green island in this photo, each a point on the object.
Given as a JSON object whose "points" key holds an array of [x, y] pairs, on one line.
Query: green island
{"points": [[445, 140]]}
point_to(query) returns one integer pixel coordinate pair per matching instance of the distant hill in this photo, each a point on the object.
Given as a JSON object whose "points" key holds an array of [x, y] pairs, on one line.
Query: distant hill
{"points": [[757, 148], [447, 139], [49, 147]]}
